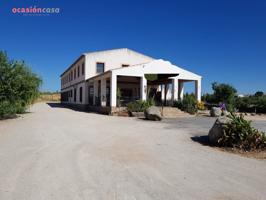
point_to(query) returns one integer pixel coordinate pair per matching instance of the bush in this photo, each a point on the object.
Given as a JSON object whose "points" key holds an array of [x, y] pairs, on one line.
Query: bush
{"points": [[140, 105], [188, 104], [240, 134], [253, 103], [178, 104], [19, 87], [7, 109], [200, 105]]}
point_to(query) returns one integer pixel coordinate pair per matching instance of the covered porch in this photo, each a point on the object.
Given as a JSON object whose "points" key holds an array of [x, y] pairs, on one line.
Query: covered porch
{"points": [[158, 79]]}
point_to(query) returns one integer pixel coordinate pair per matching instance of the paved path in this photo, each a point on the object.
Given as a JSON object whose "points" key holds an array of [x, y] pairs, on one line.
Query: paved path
{"points": [[58, 153]]}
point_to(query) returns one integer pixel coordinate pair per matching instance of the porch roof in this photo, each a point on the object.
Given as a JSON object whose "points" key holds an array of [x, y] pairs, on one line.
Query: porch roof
{"points": [[156, 67], [161, 67]]}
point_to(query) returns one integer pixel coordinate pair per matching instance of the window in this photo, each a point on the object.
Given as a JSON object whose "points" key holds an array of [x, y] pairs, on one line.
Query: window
{"points": [[71, 75], [78, 71], [80, 94], [99, 67], [83, 69], [75, 73], [125, 65]]}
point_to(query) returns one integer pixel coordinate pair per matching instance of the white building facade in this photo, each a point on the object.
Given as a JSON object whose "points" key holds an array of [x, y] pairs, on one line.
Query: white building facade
{"points": [[104, 80]]}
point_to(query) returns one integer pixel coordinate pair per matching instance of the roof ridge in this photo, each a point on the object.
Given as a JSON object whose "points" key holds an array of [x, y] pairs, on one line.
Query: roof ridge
{"points": [[127, 49]]}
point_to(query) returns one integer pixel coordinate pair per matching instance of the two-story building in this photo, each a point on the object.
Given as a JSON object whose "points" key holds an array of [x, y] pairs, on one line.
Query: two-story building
{"points": [[103, 80]]}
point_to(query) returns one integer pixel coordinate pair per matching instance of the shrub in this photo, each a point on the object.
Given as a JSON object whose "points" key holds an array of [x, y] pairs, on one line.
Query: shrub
{"points": [[140, 105], [200, 105], [19, 87], [7, 109], [240, 134], [253, 103], [178, 104], [188, 104]]}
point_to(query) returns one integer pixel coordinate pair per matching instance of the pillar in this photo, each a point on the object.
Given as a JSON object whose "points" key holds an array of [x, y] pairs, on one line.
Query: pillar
{"points": [[181, 90], [143, 88], [162, 92], [113, 87], [174, 89], [198, 89]]}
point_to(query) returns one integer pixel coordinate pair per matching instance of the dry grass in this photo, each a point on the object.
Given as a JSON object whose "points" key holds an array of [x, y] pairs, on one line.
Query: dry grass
{"points": [[258, 154], [49, 97]]}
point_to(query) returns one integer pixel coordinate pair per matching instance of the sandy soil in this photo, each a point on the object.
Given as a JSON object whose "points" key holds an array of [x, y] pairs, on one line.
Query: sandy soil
{"points": [[58, 153]]}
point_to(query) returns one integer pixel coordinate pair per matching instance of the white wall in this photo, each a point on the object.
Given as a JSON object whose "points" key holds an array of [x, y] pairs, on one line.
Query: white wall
{"points": [[113, 59]]}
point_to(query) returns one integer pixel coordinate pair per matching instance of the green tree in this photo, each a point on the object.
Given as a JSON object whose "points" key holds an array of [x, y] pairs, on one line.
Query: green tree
{"points": [[19, 86], [258, 94], [224, 93]]}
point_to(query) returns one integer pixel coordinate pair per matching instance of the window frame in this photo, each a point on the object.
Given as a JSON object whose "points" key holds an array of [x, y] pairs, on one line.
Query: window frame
{"points": [[97, 67]]}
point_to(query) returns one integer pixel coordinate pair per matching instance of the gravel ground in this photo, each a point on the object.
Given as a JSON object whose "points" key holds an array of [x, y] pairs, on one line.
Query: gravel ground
{"points": [[58, 153], [200, 125]]}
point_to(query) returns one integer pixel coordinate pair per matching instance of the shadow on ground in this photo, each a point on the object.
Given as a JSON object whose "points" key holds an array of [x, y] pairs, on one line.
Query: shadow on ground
{"points": [[56, 105], [204, 140], [59, 105]]}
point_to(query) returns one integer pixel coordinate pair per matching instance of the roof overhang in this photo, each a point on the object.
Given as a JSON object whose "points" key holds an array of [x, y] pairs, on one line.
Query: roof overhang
{"points": [[160, 67]]}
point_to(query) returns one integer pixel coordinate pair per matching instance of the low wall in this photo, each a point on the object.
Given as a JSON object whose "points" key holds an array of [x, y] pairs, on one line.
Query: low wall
{"points": [[98, 109]]}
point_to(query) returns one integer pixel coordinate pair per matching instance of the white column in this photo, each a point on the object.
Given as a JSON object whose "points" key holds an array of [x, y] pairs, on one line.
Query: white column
{"points": [[113, 86], [198, 89], [103, 91], [174, 89], [143, 88], [162, 92], [181, 90]]}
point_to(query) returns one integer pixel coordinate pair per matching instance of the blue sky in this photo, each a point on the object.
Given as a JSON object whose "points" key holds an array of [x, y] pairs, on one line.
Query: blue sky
{"points": [[222, 40]]}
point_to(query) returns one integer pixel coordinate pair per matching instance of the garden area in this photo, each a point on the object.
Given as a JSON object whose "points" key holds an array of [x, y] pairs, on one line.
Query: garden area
{"points": [[232, 131]]}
